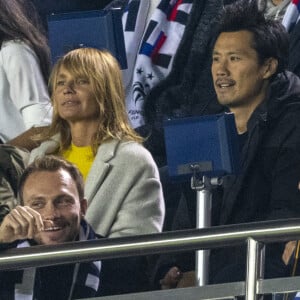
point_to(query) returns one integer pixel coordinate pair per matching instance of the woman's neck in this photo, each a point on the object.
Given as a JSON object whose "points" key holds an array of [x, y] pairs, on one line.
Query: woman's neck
{"points": [[83, 134]]}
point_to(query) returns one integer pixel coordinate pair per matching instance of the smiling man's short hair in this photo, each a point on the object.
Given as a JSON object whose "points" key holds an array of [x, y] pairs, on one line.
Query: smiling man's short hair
{"points": [[51, 163]]}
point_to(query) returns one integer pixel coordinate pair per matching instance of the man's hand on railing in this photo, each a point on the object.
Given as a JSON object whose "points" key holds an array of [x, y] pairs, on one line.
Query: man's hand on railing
{"points": [[188, 279], [171, 279], [288, 251], [21, 223], [177, 279]]}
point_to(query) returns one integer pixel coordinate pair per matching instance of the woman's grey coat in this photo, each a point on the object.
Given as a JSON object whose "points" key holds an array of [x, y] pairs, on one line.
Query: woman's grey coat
{"points": [[122, 188]]}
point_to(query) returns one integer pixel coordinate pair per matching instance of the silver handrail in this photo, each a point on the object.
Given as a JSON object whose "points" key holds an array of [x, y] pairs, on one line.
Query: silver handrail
{"points": [[254, 234], [176, 241]]}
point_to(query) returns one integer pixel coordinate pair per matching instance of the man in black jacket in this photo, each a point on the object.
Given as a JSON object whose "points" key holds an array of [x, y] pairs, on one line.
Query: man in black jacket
{"points": [[250, 57], [52, 212]]}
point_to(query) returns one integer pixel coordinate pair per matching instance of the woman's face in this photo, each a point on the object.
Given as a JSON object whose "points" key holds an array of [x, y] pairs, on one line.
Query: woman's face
{"points": [[74, 98]]}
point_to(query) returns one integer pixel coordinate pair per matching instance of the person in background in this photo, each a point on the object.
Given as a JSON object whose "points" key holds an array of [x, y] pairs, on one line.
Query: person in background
{"points": [[273, 9], [90, 128], [51, 212], [249, 61], [24, 70], [291, 23]]}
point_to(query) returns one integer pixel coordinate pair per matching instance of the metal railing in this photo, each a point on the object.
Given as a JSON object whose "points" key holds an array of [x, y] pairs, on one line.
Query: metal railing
{"points": [[254, 234]]}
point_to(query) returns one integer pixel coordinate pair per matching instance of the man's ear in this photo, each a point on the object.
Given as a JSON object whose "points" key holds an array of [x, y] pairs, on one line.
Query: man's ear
{"points": [[270, 67], [83, 207]]}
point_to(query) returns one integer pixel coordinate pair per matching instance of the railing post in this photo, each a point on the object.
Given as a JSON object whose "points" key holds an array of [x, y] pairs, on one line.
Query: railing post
{"points": [[255, 262], [203, 221], [203, 187]]}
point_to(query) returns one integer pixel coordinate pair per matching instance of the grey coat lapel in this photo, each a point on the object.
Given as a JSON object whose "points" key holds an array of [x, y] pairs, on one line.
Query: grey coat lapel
{"points": [[100, 168]]}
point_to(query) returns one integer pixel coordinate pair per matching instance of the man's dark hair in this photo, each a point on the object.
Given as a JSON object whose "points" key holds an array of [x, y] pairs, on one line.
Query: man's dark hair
{"points": [[270, 38], [50, 163]]}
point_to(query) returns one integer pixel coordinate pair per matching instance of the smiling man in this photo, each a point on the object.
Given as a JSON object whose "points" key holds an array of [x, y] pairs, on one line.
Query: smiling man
{"points": [[52, 212], [249, 62]]}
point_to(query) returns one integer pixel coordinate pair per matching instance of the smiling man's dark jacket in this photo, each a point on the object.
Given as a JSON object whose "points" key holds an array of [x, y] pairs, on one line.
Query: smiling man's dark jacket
{"points": [[77, 280]]}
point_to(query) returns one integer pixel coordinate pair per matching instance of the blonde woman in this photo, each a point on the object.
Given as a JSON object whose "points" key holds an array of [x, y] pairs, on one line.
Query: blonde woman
{"points": [[91, 130]]}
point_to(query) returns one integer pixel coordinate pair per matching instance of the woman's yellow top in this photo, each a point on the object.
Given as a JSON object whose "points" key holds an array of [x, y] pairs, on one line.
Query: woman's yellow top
{"points": [[82, 157]]}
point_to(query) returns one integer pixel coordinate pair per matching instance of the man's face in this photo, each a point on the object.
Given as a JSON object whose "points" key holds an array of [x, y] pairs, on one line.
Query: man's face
{"points": [[239, 79], [54, 195]]}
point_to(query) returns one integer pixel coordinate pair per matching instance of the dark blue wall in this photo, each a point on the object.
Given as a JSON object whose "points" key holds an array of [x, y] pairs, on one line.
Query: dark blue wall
{"points": [[46, 7]]}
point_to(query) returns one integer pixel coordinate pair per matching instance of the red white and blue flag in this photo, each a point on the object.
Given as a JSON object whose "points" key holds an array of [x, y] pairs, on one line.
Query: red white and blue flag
{"points": [[155, 49], [292, 15]]}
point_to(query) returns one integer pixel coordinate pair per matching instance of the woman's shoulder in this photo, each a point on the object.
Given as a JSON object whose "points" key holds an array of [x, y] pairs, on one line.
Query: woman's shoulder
{"points": [[130, 151], [18, 50], [49, 146], [133, 147], [14, 45]]}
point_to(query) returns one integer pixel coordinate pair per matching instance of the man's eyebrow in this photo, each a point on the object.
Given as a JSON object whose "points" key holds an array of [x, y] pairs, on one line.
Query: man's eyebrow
{"points": [[237, 51], [35, 198], [63, 196]]}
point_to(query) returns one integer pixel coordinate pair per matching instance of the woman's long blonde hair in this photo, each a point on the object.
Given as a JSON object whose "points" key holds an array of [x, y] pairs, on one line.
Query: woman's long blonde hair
{"points": [[104, 74]]}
